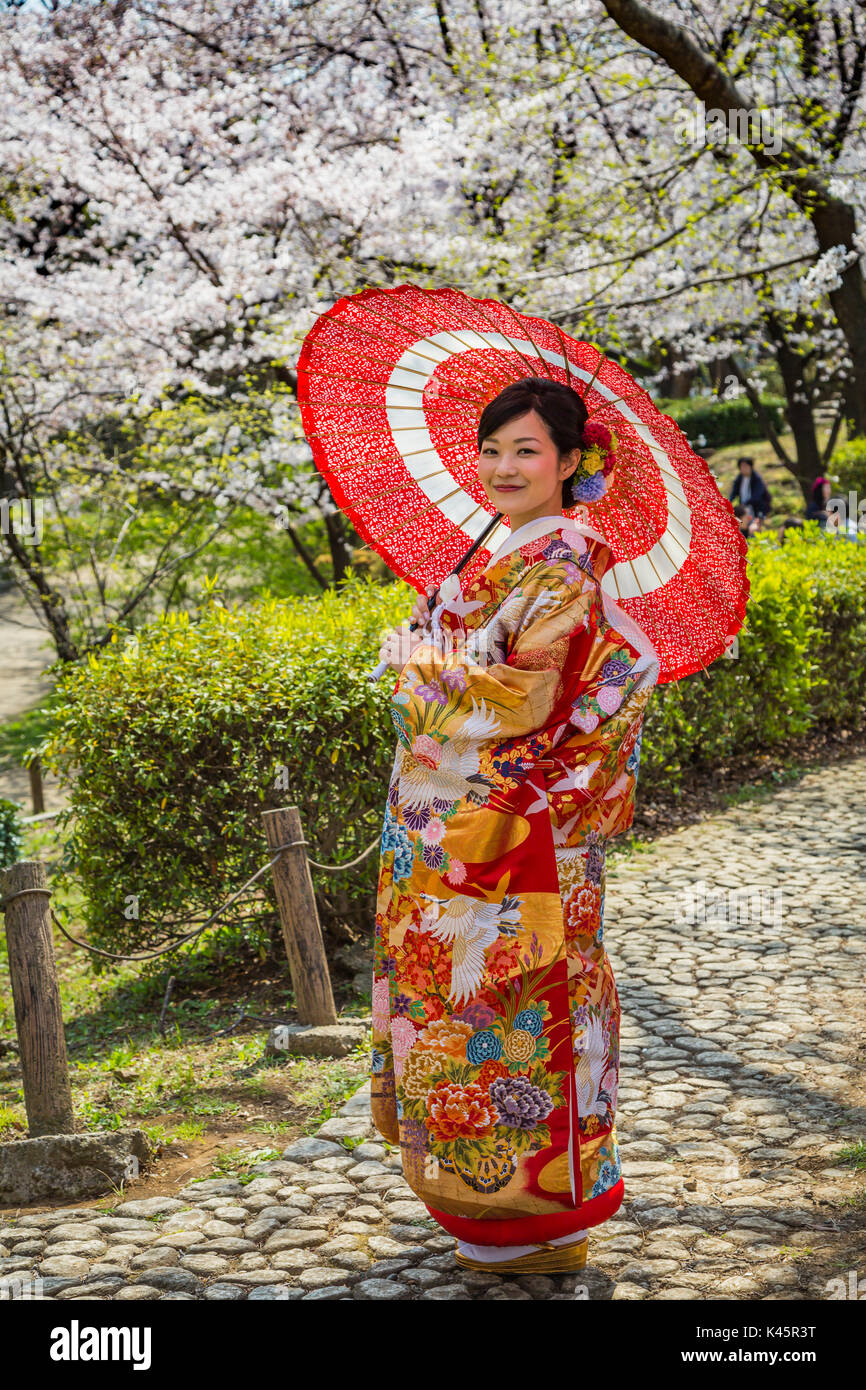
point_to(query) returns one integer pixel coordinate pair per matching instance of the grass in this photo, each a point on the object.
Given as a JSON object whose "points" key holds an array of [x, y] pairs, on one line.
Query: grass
{"points": [[18, 736], [793, 1253], [853, 1155], [239, 1163], [626, 845], [789, 771]]}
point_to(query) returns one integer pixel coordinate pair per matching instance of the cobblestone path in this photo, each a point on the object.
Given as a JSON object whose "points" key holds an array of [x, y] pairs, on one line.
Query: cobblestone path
{"points": [[741, 1080]]}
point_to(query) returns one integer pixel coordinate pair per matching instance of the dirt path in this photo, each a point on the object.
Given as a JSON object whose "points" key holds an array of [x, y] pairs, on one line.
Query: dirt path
{"points": [[26, 653]]}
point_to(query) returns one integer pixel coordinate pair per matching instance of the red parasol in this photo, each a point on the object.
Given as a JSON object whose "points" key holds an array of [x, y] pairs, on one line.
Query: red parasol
{"points": [[391, 385]]}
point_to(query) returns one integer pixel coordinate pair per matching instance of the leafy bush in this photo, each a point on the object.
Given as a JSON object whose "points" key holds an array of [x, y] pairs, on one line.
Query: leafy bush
{"points": [[848, 464], [800, 661], [722, 422], [10, 833], [178, 737]]}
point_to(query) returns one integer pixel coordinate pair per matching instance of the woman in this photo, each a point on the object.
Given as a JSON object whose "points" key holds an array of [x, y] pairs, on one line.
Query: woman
{"points": [[518, 714], [816, 507], [750, 490]]}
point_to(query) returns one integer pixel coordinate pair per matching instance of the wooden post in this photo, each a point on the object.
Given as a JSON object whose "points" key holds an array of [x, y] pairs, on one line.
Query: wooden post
{"points": [[299, 919], [37, 791], [36, 994]]}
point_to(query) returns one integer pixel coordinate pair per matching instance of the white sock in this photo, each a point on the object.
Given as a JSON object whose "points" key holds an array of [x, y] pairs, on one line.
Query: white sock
{"points": [[494, 1254]]}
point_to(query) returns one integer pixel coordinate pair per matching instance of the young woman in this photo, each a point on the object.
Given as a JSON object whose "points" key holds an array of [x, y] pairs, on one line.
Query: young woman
{"points": [[518, 711], [816, 508]]}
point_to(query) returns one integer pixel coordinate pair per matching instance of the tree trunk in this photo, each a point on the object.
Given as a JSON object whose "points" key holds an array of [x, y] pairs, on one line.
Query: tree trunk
{"points": [[26, 559], [341, 558], [680, 384], [801, 417], [806, 465]]}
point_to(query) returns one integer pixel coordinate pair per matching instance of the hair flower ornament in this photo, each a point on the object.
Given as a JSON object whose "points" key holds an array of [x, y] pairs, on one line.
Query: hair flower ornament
{"points": [[597, 460]]}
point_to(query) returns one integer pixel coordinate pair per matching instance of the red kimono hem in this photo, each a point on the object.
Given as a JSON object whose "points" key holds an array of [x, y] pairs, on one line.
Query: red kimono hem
{"points": [[530, 1230]]}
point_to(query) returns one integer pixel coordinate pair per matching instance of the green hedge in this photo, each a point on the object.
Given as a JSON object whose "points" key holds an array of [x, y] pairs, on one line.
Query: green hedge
{"points": [[800, 661], [848, 464], [178, 738], [10, 833], [722, 422]]}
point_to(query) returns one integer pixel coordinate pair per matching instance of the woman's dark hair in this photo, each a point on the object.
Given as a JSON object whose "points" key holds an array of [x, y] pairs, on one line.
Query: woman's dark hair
{"points": [[560, 407], [817, 495]]}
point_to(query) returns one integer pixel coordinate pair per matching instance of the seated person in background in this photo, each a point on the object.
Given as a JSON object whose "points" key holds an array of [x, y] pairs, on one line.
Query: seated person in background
{"points": [[749, 488], [787, 524], [744, 520], [816, 509]]}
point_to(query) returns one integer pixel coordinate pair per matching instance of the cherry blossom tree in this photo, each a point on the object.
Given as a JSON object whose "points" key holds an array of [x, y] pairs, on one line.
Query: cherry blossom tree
{"points": [[186, 185]]}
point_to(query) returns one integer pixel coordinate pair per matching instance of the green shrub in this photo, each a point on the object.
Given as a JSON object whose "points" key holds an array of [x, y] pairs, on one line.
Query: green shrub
{"points": [[10, 833], [848, 464], [800, 662], [834, 571], [178, 736], [722, 422]]}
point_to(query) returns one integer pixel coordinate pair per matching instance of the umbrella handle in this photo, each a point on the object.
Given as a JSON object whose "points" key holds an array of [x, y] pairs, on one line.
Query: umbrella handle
{"points": [[378, 671]]}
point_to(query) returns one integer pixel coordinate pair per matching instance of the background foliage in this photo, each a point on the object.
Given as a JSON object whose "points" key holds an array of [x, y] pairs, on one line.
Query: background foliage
{"points": [[722, 422], [10, 833]]}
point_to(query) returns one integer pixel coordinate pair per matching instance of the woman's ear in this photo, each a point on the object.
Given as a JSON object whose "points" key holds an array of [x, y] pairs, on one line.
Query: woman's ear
{"points": [[568, 464]]}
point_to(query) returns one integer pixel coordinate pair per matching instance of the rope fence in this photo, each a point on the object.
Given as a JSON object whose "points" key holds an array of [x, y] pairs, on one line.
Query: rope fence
{"points": [[25, 898], [214, 917]]}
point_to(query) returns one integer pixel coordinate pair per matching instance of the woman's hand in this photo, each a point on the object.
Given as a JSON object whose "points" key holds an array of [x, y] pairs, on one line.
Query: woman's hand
{"points": [[399, 645], [421, 612]]}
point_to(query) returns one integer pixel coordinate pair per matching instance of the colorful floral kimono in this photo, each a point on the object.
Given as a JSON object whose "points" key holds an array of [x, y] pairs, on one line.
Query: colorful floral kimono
{"points": [[495, 1009]]}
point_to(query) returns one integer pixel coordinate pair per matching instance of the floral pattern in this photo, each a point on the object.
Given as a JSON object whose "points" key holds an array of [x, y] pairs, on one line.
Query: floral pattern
{"points": [[495, 1012]]}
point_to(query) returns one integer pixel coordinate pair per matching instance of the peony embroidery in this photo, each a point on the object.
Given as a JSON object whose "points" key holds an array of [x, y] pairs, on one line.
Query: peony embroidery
{"points": [[455, 1110], [403, 1036], [610, 697], [427, 751]]}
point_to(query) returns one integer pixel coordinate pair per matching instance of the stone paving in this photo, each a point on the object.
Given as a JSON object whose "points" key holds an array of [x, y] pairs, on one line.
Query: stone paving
{"points": [[739, 1084]]}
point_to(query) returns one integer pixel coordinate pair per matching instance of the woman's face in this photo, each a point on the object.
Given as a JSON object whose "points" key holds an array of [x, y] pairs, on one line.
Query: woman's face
{"points": [[826, 489], [520, 469]]}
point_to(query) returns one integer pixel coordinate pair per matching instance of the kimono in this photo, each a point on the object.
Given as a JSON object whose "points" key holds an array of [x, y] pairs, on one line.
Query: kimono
{"points": [[495, 1012]]}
